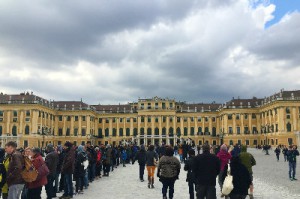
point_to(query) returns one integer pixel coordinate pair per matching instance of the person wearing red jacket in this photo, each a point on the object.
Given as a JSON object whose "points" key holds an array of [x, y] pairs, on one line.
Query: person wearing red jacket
{"points": [[224, 157], [35, 187], [98, 163]]}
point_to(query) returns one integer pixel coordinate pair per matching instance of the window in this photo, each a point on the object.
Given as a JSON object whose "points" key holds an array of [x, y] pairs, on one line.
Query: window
{"points": [[237, 116], [75, 131], [149, 106], [156, 105], [106, 132], [114, 133], [135, 132], [60, 118], [128, 119], [1, 113], [171, 105], [68, 132], [287, 110], [127, 132], [185, 119], [60, 132], [164, 131], [156, 131], [25, 143], [142, 131], [149, 131], [246, 116], [288, 127], [213, 119], [27, 113], [100, 120], [199, 119], [229, 116], [246, 130], [107, 121], [83, 132], [68, 118], [15, 119], [100, 133], [0, 130], [164, 119], [142, 119], [171, 119], [178, 119], [254, 115], [192, 119], [134, 119], [230, 130], [185, 131], [142, 105], [156, 119], [121, 132], [149, 119], [83, 118], [192, 131], [199, 130], [15, 113], [26, 130], [238, 130], [120, 120], [163, 105]]}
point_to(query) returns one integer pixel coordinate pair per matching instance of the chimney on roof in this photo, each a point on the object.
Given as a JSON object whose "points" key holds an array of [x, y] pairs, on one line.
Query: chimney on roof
{"points": [[73, 107]]}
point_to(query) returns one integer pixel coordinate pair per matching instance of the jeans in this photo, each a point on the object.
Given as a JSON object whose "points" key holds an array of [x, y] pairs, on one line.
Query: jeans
{"points": [[292, 169], [79, 183], [206, 192], [191, 190], [142, 170], [168, 184], [180, 157], [62, 182], [49, 186], [56, 183], [24, 193], [15, 191], [68, 191], [92, 171], [85, 179], [34, 193], [106, 168]]}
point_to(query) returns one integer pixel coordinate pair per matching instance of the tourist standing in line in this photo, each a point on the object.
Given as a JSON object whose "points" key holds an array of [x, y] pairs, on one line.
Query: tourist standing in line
{"points": [[14, 178], [224, 157], [241, 179], [68, 169], [206, 168], [51, 161], [107, 160], [141, 158], [248, 161], [292, 158], [80, 170], [277, 152], [35, 187], [151, 156], [168, 171], [284, 152], [190, 175], [2, 169]]}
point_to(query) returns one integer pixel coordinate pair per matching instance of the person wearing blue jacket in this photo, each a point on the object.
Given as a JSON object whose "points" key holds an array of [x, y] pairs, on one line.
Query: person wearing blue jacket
{"points": [[124, 157]]}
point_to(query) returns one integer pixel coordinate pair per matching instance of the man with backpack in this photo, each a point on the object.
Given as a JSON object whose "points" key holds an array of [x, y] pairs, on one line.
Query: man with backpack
{"points": [[14, 178]]}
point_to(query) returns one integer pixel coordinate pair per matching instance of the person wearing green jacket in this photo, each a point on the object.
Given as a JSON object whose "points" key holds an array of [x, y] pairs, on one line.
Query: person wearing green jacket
{"points": [[248, 161]]}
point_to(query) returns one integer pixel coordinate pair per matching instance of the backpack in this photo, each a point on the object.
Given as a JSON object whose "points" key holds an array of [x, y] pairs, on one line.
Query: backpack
{"points": [[104, 156], [29, 173]]}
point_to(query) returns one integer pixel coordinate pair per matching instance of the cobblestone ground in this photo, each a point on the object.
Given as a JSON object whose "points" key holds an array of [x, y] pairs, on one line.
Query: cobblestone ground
{"points": [[270, 180]]}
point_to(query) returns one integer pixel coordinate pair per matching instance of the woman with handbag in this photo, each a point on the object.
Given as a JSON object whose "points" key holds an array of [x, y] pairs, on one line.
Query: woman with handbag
{"points": [[241, 179], [35, 187]]}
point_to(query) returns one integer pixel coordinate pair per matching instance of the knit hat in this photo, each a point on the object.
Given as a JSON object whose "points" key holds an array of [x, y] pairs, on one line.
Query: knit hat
{"points": [[36, 150], [50, 148], [223, 147]]}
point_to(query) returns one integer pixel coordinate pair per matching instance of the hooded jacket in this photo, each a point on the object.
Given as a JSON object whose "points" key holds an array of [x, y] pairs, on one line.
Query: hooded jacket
{"points": [[224, 157]]}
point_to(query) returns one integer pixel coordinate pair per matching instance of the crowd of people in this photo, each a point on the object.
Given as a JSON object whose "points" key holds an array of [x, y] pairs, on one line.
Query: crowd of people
{"points": [[59, 167]]}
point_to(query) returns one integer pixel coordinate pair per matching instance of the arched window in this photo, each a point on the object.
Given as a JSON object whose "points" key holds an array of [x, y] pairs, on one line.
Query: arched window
{"points": [[114, 133], [106, 132], [200, 130], [100, 133], [156, 131], [288, 127], [0, 130], [171, 131], [192, 131], [185, 131], [178, 132], [206, 130], [14, 130], [135, 132], [149, 131], [121, 132], [164, 131], [214, 131], [142, 131], [26, 130], [127, 132]]}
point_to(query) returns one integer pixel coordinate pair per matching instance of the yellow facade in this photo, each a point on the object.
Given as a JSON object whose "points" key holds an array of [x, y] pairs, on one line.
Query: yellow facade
{"points": [[34, 121]]}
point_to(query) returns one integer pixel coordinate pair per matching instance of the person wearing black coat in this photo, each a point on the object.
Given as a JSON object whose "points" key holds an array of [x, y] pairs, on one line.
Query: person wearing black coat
{"points": [[2, 169], [80, 171], [141, 158], [51, 161], [206, 167], [190, 175], [241, 179]]}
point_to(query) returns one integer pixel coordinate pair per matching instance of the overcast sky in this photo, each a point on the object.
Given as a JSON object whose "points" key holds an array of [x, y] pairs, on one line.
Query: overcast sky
{"points": [[114, 51]]}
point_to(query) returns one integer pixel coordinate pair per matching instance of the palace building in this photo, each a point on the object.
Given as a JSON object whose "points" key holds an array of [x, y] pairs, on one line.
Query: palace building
{"points": [[31, 120]]}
